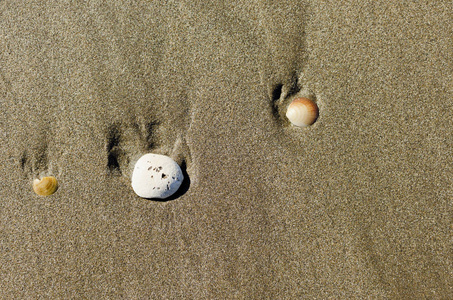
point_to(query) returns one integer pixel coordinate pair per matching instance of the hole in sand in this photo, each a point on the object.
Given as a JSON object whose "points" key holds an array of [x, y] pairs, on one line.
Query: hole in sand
{"points": [[113, 140]]}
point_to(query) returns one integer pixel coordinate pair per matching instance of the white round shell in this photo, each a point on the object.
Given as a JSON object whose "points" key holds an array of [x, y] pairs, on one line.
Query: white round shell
{"points": [[156, 176], [302, 112]]}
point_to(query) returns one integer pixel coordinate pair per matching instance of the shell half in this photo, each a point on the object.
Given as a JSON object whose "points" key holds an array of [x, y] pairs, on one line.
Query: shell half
{"points": [[302, 112], [45, 186]]}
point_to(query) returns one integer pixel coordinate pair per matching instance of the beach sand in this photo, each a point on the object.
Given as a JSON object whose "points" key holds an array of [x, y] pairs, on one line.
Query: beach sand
{"points": [[357, 205]]}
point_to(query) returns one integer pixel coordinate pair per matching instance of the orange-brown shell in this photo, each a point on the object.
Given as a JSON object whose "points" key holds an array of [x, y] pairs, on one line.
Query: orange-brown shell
{"points": [[302, 112], [45, 186]]}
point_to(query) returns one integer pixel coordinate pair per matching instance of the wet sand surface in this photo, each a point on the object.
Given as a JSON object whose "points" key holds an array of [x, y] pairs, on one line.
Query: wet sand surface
{"points": [[357, 205]]}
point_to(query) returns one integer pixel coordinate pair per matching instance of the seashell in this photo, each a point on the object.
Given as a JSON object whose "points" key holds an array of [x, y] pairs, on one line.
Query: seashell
{"points": [[156, 176], [302, 112], [45, 186]]}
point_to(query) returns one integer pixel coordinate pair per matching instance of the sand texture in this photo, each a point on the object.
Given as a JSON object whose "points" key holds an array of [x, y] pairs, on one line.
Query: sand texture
{"points": [[358, 205]]}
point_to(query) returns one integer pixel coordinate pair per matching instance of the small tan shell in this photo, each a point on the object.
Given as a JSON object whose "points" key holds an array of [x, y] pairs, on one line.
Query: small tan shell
{"points": [[302, 112], [45, 186]]}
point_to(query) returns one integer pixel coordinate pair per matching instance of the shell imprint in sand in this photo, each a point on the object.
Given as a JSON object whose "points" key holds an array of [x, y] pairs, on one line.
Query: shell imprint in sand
{"points": [[302, 112], [45, 186], [156, 176]]}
